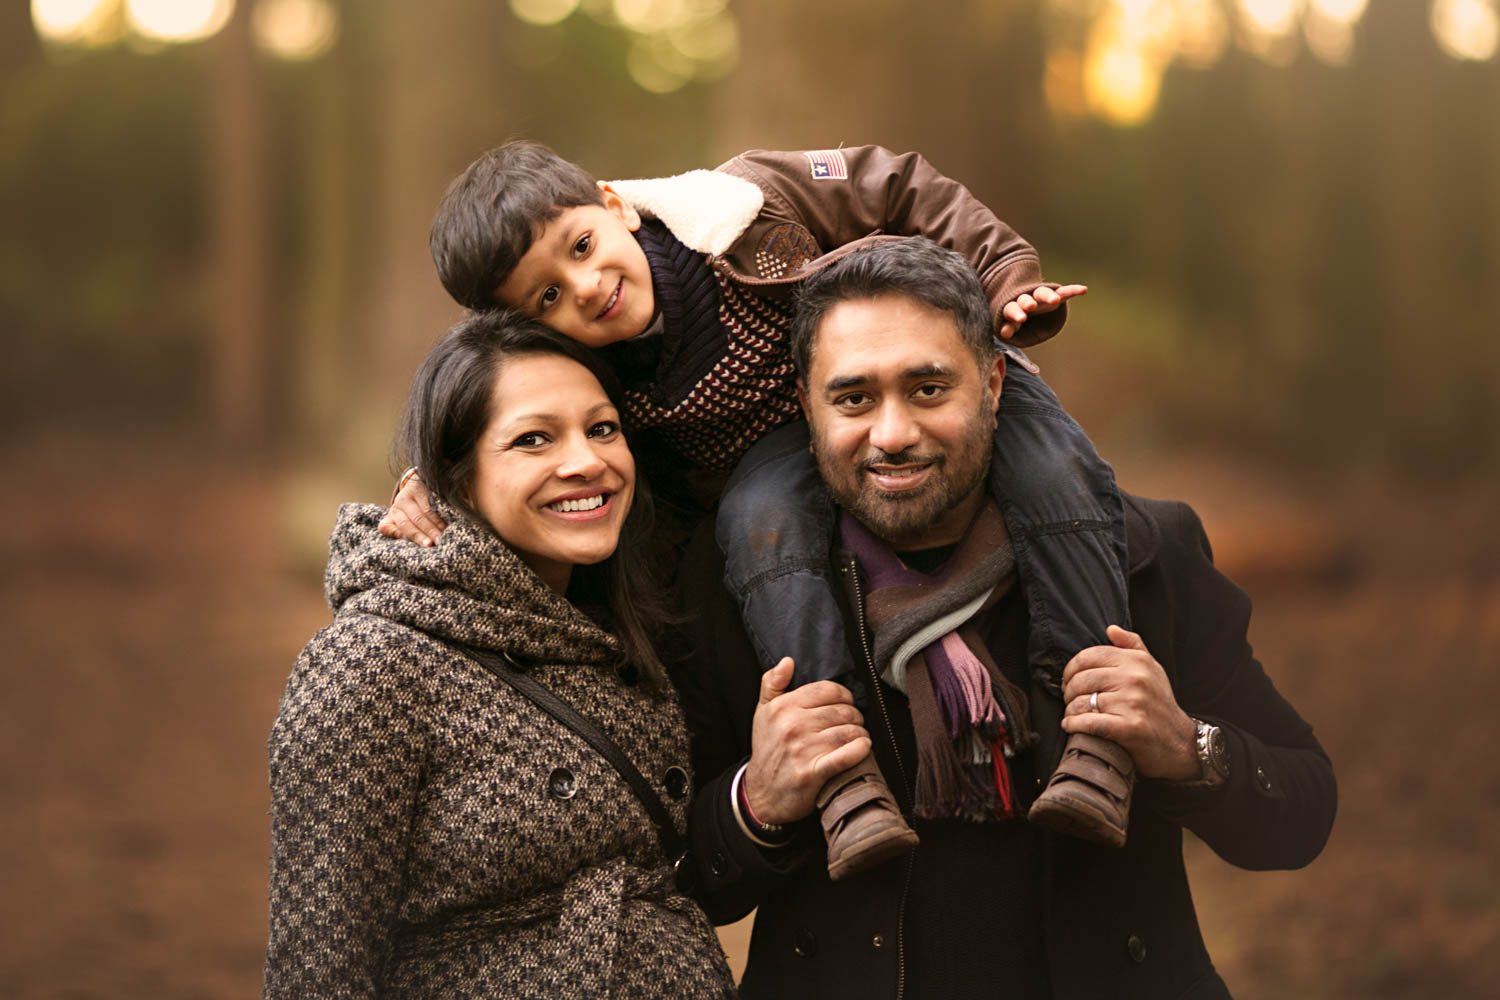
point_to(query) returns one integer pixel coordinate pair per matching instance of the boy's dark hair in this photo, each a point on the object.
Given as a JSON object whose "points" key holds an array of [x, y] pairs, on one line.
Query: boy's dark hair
{"points": [[447, 412], [492, 211], [915, 267]]}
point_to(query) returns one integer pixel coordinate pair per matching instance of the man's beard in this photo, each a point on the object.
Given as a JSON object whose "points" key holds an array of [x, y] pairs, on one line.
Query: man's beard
{"points": [[903, 519]]}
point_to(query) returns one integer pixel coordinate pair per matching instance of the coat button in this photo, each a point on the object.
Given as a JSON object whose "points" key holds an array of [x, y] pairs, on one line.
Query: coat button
{"points": [[675, 781], [562, 784], [878, 942], [629, 673], [804, 944], [1262, 779], [1137, 949], [717, 864]]}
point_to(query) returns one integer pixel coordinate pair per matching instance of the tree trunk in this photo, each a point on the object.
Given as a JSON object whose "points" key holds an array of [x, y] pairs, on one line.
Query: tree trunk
{"points": [[240, 210]]}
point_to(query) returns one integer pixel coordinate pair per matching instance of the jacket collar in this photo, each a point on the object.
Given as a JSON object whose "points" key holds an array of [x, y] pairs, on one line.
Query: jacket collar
{"points": [[1142, 534], [469, 588], [706, 209]]}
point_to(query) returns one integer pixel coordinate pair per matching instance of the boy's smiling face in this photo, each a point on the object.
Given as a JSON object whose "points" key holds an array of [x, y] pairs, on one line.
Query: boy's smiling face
{"points": [[585, 275]]}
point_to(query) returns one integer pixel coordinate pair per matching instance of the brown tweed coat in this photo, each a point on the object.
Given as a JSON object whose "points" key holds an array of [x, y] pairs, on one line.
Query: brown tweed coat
{"points": [[436, 835]]}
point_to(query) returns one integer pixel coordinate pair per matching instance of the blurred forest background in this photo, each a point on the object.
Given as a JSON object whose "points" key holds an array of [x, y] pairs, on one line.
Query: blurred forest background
{"points": [[214, 285]]}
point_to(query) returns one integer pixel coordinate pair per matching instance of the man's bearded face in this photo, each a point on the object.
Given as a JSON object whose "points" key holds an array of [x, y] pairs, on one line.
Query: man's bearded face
{"points": [[902, 418]]}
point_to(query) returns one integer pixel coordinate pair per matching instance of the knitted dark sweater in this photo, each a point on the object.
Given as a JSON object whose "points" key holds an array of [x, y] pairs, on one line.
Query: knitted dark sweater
{"points": [[422, 845], [722, 376]]}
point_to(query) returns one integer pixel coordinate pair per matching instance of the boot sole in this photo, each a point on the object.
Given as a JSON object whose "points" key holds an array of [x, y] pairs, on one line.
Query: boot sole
{"points": [[1070, 820], [872, 852]]}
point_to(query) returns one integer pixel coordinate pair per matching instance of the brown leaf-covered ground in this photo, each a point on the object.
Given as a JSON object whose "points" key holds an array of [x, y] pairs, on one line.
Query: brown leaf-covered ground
{"points": [[152, 609]]}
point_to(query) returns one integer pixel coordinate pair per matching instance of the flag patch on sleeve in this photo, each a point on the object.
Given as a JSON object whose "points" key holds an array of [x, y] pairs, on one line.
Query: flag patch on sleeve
{"points": [[827, 165]]}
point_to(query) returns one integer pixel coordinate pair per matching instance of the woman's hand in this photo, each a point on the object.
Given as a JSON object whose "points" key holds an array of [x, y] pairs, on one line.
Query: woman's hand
{"points": [[799, 740], [411, 515]]}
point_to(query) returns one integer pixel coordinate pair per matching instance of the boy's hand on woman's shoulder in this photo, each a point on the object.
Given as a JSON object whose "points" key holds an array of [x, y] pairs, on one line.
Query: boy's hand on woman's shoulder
{"points": [[411, 516], [1043, 300]]}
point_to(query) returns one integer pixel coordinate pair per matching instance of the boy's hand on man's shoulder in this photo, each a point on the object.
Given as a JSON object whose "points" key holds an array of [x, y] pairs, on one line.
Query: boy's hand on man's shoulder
{"points": [[411, 516], [1043, 300]]}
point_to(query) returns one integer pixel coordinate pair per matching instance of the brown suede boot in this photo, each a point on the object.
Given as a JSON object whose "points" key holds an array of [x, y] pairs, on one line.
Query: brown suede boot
{"points": [[861, 820], [1089, 794]]}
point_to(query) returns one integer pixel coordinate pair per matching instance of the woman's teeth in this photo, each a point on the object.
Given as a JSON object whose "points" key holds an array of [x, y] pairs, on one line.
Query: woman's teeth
{"points": [[574, 506]]}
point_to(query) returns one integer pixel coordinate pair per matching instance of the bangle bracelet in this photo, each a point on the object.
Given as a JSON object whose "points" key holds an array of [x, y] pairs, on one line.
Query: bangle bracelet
{"points": [[750, 813], [735, 800]]}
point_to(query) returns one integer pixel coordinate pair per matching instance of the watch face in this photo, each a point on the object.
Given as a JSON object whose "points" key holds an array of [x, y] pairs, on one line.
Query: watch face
{"points": [[1218, 750], [1213, 751]]}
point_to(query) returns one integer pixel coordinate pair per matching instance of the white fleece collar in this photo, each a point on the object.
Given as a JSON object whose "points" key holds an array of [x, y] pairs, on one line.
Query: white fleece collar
{"points": [[705, 209]]}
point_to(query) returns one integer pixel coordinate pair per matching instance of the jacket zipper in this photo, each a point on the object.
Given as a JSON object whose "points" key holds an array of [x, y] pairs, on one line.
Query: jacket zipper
{"points": [[911, 862], [851, 569]]}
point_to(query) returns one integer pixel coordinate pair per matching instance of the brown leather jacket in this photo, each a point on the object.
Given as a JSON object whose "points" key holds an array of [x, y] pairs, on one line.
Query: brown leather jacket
{"points": [[809, 221]]}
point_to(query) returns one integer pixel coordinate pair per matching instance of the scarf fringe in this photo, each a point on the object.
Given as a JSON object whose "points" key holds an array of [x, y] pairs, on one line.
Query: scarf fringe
{"points": [[962, 776], [952, 785], [958, 698]]}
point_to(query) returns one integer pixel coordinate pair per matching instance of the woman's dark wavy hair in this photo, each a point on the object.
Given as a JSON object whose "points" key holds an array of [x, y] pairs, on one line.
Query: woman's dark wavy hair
{"points": [[447, 413]]}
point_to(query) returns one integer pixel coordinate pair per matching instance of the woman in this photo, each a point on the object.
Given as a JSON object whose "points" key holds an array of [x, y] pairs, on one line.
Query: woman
{"points": [[434, 833]]}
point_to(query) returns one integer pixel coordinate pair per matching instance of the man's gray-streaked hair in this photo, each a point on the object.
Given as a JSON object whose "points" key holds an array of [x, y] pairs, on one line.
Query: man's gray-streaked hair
{"points": [[915, 267]]}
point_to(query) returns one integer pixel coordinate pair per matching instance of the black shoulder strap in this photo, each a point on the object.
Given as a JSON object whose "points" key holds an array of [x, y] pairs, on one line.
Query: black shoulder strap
{"points": [[502, 667]]}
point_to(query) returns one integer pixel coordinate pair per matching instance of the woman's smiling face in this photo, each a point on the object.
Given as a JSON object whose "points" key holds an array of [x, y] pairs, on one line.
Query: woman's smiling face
{"points": [[553, 475]]}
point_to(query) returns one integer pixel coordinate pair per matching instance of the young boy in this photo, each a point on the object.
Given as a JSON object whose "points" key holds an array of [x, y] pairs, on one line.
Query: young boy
{"points": [[685, 283]]}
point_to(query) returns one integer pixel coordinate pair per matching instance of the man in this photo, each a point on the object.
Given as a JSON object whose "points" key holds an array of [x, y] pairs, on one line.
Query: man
{"points": [[901, 385]]}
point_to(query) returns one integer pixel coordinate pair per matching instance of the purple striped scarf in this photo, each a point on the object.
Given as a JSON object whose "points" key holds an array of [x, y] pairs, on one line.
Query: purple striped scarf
{"points": [[968, 718]]}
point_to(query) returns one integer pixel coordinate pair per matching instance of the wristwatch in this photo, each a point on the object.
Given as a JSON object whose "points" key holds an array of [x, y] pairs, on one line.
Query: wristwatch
{"points": [[1213, 754]]}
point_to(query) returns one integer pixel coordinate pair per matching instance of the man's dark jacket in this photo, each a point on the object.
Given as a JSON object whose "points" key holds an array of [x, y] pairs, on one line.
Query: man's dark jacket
{"points": [[1114, 922]]}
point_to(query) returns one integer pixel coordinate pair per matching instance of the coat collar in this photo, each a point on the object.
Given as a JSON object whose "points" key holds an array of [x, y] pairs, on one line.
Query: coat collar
{"points": [[1142, 534], [469, 588]]}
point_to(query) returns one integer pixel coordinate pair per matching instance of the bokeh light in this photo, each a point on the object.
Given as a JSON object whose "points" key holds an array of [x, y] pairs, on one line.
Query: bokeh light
{"points": [[655, 65], [61, 19], [178, 20], [1329, 29], [295, 29], [77, 22], [1330, 39], [543, 12], [1466, 29], [1344, 11], [1202, 32], [712, 40], [1269, 17], [650, 16], [1152, 22], [1121, 82], [670, 42], [1268, 29]]}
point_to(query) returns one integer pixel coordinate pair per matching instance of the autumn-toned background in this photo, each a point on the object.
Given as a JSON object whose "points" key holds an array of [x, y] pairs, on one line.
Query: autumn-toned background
{"points": [[214, 285]]}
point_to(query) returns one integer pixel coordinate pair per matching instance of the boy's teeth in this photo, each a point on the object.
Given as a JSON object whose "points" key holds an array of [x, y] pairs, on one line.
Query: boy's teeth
{"points": [[611, 303], [573, 506]]}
